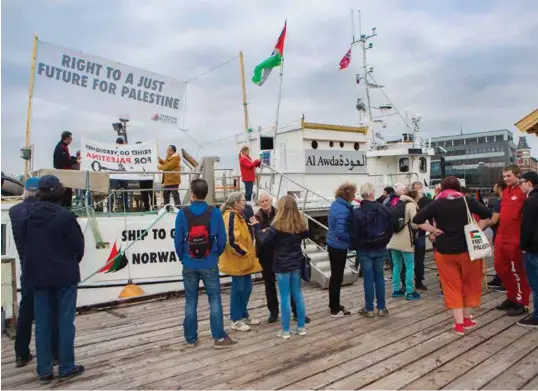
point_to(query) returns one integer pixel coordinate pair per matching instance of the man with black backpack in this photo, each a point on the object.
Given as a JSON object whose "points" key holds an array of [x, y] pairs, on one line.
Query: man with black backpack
{"points": [[371, 230], [200, 238]]}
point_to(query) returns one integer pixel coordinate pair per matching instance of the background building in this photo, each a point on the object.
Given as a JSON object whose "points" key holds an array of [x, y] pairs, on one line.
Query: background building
{"points": [[524, 159], [478, 158]]}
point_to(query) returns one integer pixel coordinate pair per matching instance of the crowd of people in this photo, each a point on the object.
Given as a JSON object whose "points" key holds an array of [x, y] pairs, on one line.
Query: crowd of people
{"points": [[235, 241]]}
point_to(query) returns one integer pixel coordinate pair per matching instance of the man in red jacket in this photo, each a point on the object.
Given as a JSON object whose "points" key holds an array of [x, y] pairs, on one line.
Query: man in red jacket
{"points": [[508, 255]]}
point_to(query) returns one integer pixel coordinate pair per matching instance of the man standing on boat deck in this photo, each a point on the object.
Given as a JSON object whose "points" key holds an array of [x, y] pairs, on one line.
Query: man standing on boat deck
{"points": [[508, 256], [199, 239], [62, 160], [172, 180], [17, 214]]}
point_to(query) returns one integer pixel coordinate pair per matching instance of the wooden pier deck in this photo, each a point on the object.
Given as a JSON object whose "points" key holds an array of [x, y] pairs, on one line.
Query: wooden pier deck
{"points": [[142, 347]]}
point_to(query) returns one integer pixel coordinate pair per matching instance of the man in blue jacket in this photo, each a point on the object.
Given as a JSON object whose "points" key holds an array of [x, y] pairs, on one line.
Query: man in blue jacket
{"points": [[17, 214], [199, 239], [53, 248], [371, 230]]}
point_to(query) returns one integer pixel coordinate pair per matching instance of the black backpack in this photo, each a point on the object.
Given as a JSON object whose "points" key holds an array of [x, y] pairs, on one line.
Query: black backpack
{"points": [[398, 216], [376, 227], [198, 238]]}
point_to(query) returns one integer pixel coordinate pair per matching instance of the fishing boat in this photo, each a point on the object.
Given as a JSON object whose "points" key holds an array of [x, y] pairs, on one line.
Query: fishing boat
{"points": [[132, 253]]}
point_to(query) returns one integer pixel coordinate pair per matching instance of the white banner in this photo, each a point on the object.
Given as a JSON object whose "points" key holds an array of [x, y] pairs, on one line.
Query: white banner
{"points": [[99, 85], [334, 162], [117, 158]]}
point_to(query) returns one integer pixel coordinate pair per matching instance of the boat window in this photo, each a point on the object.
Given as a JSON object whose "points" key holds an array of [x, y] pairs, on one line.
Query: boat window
{"points": [[4, 239], [341, 144], [356, 146], [266, 143], [423, 165], [404, 164], [331, 144], [314, 144]]}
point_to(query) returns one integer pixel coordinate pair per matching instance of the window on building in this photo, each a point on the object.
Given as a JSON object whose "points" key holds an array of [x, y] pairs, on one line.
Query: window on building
{"points": [[499, 138], [423, 167], [481, 140], [458, 142], [471, 140], [404, 164]]}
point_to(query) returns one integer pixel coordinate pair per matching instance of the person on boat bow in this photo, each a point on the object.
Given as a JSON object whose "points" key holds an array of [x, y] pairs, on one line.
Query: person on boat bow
{"points": [[62, 160], [248, 171]]}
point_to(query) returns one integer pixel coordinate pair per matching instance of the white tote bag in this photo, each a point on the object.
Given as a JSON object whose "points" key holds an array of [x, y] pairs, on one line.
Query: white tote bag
{"points": [[477, 242]]}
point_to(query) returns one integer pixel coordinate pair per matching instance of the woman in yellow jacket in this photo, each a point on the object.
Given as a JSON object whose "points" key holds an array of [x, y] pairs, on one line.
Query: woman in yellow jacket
{"points": [[239, 260]]}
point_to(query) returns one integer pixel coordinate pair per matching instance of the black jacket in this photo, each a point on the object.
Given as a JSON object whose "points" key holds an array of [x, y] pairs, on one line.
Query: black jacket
{"points": [[53, 247], [17, 215], [423, 203], [529, 224], [287, 250], [265, 253], [358, 226]]}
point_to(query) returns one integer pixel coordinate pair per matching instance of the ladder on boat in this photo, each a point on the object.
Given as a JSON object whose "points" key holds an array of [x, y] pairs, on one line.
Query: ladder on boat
{"points": [[309, 199]]}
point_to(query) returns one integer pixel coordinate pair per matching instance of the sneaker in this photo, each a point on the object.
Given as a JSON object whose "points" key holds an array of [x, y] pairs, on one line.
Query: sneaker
{"points": [[272, 318], [458, 328], [46, 379], [421, 286], [506, 305], [342, 312], [251, 321], [22, 362], [365, 313], [283, 334], [499, 288], [399, 293], [383, 312], [518, 310], [412, 296], [298, 330], [469, 323], [529, 321], [495, 282], [76, 371], [306, 319], [240, 326], [224, 343], [193, 344]]}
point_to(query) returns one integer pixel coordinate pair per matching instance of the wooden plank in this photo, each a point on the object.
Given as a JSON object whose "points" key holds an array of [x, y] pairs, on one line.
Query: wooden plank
{"points": [[427, 363], [446, 373], [532, 384], [481, 374], [517, 375]]}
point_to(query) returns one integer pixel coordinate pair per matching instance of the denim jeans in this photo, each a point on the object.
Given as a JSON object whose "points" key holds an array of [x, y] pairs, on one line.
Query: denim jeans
{"points": [[24, 326], [531, 267], [248, 190], [211, 280], [61, 303], [290, 283], [398, 259], [372, 264], [239, 297]]}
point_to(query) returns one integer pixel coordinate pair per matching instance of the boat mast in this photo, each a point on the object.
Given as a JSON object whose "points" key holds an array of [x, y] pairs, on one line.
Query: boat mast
{"points": [[243, 87]]}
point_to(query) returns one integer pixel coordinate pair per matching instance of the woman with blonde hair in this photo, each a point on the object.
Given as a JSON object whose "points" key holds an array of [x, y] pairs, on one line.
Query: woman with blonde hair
{"points": [[338, 242], [285, 234], [239, 260], [248, 170]]}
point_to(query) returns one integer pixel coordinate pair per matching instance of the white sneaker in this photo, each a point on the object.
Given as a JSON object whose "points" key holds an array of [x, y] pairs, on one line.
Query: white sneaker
{"points": [[283, 334], [251, 321], [298, 330], [240, 326]]}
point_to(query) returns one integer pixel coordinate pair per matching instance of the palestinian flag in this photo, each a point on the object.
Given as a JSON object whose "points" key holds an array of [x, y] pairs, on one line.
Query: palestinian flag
{"points": [[263, 70], [116, 261]]}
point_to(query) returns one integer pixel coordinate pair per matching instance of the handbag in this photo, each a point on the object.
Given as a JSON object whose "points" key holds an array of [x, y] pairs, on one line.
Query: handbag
{"points": [[477, 243], [306, 268]]}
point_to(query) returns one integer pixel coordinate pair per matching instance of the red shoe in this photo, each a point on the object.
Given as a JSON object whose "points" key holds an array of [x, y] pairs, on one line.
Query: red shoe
{"points": [[468, 323], [458, 328]]}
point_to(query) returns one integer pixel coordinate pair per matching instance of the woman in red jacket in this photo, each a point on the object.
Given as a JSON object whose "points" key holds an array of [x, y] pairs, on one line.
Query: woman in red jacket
{"points": [[248, 170]]}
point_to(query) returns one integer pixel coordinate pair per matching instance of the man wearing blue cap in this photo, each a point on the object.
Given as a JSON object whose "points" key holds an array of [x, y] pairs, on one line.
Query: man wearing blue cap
{"points": [[54, 246], [17, 214]]}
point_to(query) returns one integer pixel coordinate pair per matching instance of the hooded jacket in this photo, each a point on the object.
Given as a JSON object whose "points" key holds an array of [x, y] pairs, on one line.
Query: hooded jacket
{"points": [[401, 241], [171, 163], [265, 252], [239, 257], [529, 224], [288, 254], [340, 224], [53, 247]]}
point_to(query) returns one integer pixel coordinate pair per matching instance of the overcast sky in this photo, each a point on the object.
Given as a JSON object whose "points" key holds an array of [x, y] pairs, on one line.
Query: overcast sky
{"points": [[469, 64]]}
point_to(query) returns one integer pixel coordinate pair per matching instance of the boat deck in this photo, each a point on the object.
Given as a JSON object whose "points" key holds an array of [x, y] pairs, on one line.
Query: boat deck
{"points": [[141, 346]]}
